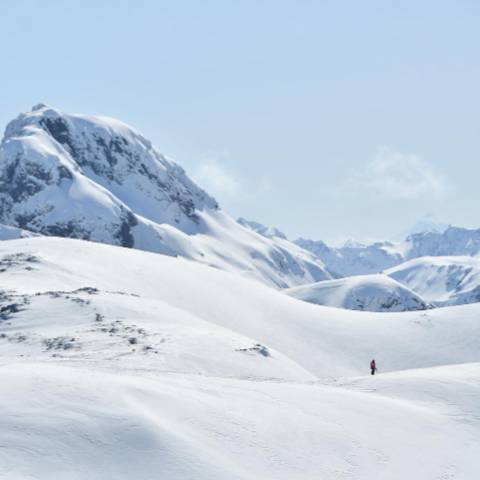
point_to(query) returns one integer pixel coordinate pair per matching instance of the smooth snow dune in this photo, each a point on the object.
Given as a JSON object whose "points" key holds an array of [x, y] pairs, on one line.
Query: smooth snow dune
{"points": [[323, 341], [72, 423], [373, 293]]}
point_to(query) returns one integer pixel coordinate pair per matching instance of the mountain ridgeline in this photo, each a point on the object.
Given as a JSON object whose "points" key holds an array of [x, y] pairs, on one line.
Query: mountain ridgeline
{"points": [[359, 259]]}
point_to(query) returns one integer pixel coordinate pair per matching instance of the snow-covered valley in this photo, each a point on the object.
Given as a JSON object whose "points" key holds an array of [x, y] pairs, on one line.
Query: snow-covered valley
{"points": [[118, 363]]}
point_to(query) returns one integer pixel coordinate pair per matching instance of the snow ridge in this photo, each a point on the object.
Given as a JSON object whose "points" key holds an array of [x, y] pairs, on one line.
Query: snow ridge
{"points": [[373, 293]]}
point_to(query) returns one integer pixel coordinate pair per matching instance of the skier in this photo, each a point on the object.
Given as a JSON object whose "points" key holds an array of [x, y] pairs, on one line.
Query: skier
{"points": [[373, 366]]}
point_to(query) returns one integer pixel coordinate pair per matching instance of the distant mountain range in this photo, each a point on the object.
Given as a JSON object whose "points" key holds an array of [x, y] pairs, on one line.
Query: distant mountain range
{"points": [[360, 259], [440, 267], [97, 179]]}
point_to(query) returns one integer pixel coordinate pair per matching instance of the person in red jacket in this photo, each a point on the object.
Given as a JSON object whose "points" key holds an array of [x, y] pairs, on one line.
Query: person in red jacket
{"points": [[373, 366]]}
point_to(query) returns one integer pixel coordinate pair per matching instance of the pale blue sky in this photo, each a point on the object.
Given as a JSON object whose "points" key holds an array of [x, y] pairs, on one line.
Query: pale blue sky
{"points": [[327, 119]]}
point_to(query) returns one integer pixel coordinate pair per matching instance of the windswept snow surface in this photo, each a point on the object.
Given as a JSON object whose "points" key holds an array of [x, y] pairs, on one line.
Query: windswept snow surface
{"points": [[373, 293], [118, 364], [104, 425], [441, 280], [97, 179]]}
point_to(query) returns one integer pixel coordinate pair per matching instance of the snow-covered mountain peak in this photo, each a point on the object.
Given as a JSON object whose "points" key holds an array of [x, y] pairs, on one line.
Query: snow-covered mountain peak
{"points": [[62, 125], [429, 223], [113, 155], [96, 178], [350, 243], [45, 146], [453, 241]]}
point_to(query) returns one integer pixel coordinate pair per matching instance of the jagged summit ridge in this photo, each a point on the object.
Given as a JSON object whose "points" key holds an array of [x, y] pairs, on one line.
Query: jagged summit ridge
{"points": [[114, 155]]}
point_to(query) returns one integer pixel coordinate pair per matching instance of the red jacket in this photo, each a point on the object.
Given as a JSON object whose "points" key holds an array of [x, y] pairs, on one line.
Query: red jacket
{"points": [[373, 365]]}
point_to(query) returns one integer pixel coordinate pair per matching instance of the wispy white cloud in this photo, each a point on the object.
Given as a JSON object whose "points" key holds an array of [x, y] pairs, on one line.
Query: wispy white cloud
{"points": [[217, 179], [222, 181], [399, 175]]}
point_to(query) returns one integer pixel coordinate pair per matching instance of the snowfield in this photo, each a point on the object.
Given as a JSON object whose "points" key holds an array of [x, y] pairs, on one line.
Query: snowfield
{"points": [[373, 293], [103, 425], [118, 363]]}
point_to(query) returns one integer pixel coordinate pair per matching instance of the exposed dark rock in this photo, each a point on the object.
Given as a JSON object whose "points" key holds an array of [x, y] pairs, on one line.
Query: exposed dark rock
{"points": [[58, 129], [124, 234], [59, 343], [68, 229], [257, 348], [17, 260]]}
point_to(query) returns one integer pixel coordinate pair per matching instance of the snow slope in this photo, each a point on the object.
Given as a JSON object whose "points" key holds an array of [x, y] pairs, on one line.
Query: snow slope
{"points": [[441, 280], [106, 425], [96, 178], [120, 363], [373, 293], [318, 339]]}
